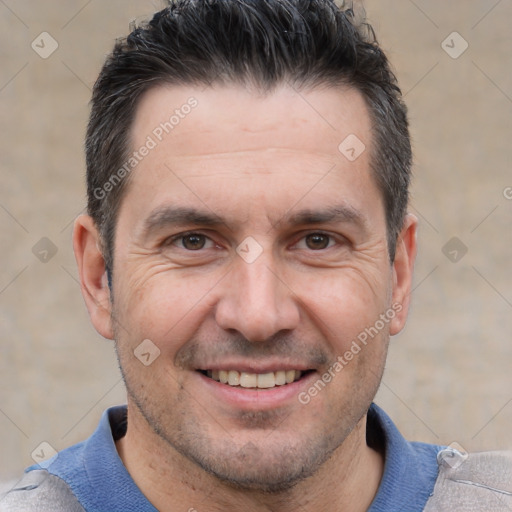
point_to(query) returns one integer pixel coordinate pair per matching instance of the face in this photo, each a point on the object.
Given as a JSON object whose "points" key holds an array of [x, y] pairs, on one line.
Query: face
{"points": [[249, 248]]}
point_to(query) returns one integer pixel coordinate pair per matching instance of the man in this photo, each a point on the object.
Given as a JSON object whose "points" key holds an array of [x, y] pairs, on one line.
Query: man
{"points": [[249, 250]]}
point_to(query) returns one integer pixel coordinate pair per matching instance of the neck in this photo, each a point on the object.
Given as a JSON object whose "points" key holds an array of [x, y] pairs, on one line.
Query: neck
{"points": [[348, 480]]}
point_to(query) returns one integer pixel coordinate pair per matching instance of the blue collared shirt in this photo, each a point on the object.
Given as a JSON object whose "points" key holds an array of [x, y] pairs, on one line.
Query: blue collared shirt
{"points": [[97, 477]]}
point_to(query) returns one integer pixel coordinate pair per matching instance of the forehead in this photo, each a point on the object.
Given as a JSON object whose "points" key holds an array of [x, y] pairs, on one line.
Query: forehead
{"points": [[235, 118], [239, 149]]}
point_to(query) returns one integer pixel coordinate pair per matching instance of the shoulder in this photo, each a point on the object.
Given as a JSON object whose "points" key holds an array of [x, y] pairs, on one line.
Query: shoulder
{"points": [[40, 491], [472, 482]]}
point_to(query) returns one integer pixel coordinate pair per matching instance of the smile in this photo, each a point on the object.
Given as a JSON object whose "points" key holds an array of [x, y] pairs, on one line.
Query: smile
{"points": [[254, 380]]}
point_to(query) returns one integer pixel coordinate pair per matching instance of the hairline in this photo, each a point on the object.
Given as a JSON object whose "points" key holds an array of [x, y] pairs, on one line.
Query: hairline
{"points": [[306, 85]]}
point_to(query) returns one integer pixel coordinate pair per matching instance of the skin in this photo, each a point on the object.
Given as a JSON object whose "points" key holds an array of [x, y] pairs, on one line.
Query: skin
{"points": [[265, 166]]}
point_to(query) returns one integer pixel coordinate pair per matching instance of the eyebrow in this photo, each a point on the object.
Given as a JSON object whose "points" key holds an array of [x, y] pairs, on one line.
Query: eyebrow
{"points": [[179, 216], [342, 213], [167, 216]]}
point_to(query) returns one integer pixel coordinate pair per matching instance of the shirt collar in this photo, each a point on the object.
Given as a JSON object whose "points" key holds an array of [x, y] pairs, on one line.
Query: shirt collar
{"points": [[410, 469]]}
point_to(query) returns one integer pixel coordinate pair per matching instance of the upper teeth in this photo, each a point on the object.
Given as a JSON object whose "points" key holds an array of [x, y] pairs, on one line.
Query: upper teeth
{"points": [[255, 380]]}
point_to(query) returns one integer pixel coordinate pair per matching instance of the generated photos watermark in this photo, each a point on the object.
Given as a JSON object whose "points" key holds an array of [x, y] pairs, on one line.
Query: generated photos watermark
{"points": [[357, 345], [152, 140]]}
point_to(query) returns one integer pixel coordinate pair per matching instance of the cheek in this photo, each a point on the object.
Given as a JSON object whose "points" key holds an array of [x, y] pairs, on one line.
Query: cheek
{"points": [[344, 302], [164, 308]]}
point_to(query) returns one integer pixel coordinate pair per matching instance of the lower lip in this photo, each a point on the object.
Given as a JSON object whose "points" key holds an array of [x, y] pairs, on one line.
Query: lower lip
{"points": [[257, 399]]}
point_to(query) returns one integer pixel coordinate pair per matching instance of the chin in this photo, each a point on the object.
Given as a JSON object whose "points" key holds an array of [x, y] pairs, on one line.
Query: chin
{"points": [[265, 466]]}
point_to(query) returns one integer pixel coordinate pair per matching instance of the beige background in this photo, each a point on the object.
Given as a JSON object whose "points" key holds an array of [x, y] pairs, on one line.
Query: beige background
{"points": [[449, 374]]}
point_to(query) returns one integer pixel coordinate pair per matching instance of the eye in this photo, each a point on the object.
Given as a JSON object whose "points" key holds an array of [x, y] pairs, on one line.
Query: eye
{"points": [[193, 241], [316, 242]]}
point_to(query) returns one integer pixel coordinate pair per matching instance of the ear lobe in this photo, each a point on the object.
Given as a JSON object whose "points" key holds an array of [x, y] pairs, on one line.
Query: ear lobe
{"points": [[403, 267], [93, 277]]}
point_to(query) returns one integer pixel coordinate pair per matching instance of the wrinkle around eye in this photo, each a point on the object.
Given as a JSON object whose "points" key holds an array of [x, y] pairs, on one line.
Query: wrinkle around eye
{"points": [[342, 254], [175, 256], [163, 258]]}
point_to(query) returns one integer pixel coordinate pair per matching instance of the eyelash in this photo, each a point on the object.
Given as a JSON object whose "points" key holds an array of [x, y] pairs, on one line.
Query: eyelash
{"points": [[180, 237], [332, 240], [177, 238]]}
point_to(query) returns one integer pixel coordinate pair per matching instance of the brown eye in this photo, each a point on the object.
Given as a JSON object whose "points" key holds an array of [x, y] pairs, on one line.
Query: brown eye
{"points": [[317, 241], [193, 242]]}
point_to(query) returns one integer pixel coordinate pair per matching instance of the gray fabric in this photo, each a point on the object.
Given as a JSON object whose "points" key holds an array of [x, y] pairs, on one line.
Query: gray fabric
{"points": [[472, 483], [39, 491]]}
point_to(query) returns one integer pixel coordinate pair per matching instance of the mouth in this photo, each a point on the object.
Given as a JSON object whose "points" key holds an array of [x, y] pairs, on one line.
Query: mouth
{"points": [[246, 380]]}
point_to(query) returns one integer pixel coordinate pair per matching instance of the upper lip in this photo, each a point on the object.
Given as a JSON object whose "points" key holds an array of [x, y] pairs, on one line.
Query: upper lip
{"points": [[255, 367]]}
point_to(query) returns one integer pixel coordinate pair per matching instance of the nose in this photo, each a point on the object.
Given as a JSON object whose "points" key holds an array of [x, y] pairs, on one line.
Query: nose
{"points": [[257, 302]]}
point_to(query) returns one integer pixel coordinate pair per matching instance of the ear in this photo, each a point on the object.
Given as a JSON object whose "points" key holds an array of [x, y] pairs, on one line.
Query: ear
{"points": [[402, 272], [93, 278]]}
